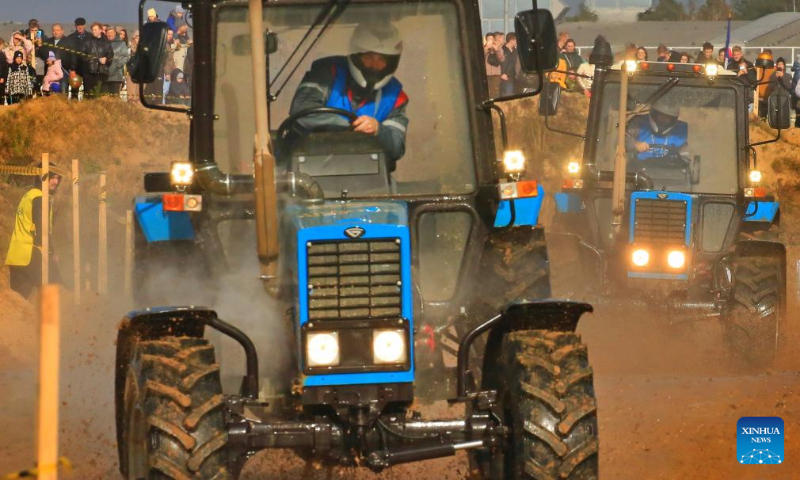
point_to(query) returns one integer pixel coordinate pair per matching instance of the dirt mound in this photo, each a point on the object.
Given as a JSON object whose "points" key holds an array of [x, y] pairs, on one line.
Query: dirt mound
{"points": [[106, 134], [20, 323]]}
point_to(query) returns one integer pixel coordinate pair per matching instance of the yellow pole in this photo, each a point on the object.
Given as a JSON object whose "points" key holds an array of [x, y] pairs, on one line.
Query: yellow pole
{"points": [[45, 218], [76, 231], [47, 431], [129, 253], [102, 246]]}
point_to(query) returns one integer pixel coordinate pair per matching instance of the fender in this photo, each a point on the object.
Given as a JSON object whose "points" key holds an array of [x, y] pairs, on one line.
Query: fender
{"points": [[157, 323], [760, 247], [556, 315]]}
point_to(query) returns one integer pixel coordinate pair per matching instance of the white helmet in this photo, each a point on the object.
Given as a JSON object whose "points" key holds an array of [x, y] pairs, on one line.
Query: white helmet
{"points": [[374, 37]]}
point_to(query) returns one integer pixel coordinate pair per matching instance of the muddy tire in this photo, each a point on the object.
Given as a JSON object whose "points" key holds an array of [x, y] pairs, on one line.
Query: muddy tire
{"points": [[173, 424], [754, 321], [546, 398]]}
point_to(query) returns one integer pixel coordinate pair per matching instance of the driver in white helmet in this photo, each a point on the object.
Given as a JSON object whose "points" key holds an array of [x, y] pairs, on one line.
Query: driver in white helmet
{"points": [[362, 83], [658, 133]]}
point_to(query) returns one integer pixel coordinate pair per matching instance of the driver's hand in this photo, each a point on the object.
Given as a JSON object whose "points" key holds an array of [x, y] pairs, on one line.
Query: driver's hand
{"points": [[642, 147], [366, 124]]}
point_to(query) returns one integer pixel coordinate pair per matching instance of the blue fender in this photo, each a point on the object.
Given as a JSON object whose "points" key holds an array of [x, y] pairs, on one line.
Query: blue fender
{"points": [[160, 226]]}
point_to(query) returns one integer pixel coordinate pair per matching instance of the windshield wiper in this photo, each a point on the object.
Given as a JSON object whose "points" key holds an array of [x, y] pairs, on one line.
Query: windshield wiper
{"points": [[329, 14], [660, 92]]}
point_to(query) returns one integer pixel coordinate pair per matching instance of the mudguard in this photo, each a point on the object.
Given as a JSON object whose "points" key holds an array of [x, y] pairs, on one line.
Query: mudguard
{"points": [[763, 212], [760, 247], [556, 315]]}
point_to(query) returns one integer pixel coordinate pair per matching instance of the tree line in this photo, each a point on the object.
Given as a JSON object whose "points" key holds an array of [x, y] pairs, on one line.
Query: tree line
{"points": [[674, 10]]}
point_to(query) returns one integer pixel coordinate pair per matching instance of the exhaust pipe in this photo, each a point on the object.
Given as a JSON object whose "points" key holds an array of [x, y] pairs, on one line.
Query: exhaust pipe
{"points": [[263, 158]]}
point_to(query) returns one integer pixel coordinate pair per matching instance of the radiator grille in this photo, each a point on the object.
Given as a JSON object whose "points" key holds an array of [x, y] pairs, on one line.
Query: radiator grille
{"points": [[354, 279], [660, 221]]}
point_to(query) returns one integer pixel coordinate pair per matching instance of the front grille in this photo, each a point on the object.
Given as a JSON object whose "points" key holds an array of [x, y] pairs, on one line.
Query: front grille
{"points": [[354, 279], [660, 221]]}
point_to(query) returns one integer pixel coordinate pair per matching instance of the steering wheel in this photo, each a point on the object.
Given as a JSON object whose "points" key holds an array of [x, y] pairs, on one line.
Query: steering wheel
{"points": [[291, 121], [673, 158]]}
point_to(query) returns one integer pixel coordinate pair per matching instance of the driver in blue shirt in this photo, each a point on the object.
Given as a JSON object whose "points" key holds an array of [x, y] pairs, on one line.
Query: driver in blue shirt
{"points": [[363, 83], [658, 133]]}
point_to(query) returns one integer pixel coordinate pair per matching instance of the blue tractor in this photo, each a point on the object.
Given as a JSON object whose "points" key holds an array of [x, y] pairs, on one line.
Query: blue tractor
{"points": [[394, 271], [668, 204]]}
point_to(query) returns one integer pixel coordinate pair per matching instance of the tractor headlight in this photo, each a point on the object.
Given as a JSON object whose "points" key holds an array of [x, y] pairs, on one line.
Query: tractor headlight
{"points": [[513, 162], [712, 69], [389, 347], [676, 259], [755, 176], [630, 66], [322, 349], [573, 168], [181, 174], [640, 257]]}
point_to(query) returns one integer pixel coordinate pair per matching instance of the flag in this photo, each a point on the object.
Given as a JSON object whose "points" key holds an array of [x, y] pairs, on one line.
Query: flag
{"points": [[728, 42]]}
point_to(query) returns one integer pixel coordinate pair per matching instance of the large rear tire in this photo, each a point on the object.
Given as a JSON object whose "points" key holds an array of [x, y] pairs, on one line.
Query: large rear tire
{"points": [[546, 398], [754, 321], [173, 423]]}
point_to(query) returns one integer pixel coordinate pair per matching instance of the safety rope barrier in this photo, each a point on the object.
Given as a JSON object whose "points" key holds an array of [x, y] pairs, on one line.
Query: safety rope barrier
{"points": [[30, 171]]}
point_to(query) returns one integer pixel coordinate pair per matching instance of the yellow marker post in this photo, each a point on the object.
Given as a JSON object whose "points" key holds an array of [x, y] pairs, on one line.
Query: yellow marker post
{"points": [[129, 253], [102, 246], [76, 231], [49, 352]]}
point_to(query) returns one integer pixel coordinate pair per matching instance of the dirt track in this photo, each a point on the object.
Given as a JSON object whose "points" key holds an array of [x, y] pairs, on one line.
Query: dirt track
{"points": [[668, 402]]}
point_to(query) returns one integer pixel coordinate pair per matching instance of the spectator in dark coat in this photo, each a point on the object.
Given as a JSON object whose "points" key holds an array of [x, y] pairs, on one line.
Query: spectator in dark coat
{"points": [[744, 69], [779, 79], [663, 53], [508, 69], [706, 55], [571, 56], [3, 71], [76, 41], [97, 58]]}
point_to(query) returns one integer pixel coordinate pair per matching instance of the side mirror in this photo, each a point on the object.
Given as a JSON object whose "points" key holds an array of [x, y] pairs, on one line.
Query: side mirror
{"points": [[778, 110], [536, 40], [145, 66], [548, 103]]}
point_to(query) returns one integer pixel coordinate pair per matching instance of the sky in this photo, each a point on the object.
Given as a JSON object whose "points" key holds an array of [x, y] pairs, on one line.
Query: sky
{"points": [[47, 11]]}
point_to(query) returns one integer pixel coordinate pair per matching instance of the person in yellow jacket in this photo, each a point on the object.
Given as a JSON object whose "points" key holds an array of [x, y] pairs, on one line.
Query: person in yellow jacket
{"points": [[24, 257]]}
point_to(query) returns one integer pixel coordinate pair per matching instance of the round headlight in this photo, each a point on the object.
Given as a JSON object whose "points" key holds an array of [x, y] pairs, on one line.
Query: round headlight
{"points": [[322, 349], [389, 346], [755, 176], [640, 257], [630, 66], [676, 259], [712, 69]]}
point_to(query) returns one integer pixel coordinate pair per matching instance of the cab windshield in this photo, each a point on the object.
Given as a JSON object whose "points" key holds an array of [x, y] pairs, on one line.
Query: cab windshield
{"points": [[438, 157], [684, 140]]}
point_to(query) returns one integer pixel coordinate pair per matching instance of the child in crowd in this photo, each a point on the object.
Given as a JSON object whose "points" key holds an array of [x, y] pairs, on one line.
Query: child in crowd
{"points": [[53, 76], [19, 82]]}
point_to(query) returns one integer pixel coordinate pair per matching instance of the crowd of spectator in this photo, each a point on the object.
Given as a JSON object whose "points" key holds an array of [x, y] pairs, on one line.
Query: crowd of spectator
{"points": [[91, 62], [505, 76]]}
